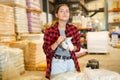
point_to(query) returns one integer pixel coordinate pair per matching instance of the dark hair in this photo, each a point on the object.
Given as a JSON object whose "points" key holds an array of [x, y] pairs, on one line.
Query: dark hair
{"points": [[60, 5]]}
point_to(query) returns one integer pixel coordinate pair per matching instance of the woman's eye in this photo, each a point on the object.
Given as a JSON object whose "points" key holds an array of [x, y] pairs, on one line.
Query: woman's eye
{"points": [[64, 11], [67, 11], [61, 11]]}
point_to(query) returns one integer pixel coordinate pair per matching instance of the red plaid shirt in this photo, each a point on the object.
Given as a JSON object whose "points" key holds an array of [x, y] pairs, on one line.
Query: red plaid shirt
{"points": [[51, 35]]}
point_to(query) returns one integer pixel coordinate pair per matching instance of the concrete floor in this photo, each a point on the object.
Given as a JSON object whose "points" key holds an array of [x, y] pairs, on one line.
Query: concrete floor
{"points": [[110, 61]]}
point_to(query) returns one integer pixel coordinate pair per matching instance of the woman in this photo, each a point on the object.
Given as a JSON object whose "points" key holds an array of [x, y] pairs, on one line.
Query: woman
{"points": [[61, 57]]}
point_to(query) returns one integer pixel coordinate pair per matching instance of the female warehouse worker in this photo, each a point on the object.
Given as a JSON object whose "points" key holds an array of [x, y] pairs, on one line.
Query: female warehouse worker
{"points": [[61, 41]]}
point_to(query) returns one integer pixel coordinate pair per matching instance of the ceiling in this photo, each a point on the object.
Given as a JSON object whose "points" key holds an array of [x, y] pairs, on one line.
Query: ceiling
{"points": [[86, 6]]}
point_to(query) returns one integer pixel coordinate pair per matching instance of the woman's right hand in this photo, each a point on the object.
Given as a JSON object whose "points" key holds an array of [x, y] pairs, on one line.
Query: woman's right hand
{"points": [[60, 39]]}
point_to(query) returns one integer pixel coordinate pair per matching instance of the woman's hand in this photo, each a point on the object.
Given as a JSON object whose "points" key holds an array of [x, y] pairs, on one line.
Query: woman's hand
{"points": [[59, 40]]}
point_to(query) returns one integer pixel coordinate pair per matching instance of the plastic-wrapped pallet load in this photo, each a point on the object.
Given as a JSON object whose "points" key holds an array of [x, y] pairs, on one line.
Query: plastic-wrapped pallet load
{"points": [[35, 59], [6, 20], [8, 63], [19, 6], [23, 44], [33, 52], [33, 4], [36, 54], [101, 74], [12, 2], [7, 38], [6, 68], [32, 37], [98, 42], [33, 22], [7, 28], [17, 57], [2, 67], [21, 22], [33, 15]]}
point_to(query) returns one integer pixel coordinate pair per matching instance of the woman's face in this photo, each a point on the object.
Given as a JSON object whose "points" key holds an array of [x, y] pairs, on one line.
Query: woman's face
{"points": [[63, 13]]}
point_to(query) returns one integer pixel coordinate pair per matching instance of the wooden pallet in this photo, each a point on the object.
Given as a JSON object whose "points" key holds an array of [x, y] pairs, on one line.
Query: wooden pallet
{"points": [[34, 10], [7, 34], [23, 72], [5, 44], [35, 32], [42, 66], [16, 5]]}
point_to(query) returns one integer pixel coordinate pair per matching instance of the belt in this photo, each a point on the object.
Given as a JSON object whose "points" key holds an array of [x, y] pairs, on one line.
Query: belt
{"points": [[62, 57]]}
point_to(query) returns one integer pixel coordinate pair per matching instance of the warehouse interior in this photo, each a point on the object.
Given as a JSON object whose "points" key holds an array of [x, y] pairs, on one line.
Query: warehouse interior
{"points": [[22, 27]]}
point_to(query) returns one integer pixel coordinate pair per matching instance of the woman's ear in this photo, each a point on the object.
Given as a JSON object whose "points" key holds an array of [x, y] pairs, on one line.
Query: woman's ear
{"points": [[56, 15]]}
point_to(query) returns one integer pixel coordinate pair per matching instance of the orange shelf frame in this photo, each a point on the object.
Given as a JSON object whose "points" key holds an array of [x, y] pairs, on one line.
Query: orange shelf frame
{"points": [[85, 29], [114, 10]]}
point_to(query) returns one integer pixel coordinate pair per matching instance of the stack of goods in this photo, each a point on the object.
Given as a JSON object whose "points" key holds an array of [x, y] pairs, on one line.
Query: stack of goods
{"points": [[21, 20], [114, 17], [21, 45], [82, 22], [17, 57], [32, 36], [13, 2], [20, 14], [11, 61], [2, 66], [7, 33], [116, 4], [33, 22], [36, 55], [114, 8], [97, 42], [33, 16], [7, 38], [33, 5]]}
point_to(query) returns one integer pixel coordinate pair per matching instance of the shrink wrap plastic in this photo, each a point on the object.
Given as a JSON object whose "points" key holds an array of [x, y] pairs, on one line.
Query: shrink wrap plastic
{"points": [[19, 2], [88, 74], [98, 42], [11, 61]]}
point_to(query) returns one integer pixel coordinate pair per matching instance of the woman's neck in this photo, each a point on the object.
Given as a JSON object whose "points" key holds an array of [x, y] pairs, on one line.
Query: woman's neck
{"points": [[62, 25]]}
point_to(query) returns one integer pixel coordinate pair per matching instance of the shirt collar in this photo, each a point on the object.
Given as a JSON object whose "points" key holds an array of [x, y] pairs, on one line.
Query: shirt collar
{"points": [[56, 25]]}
